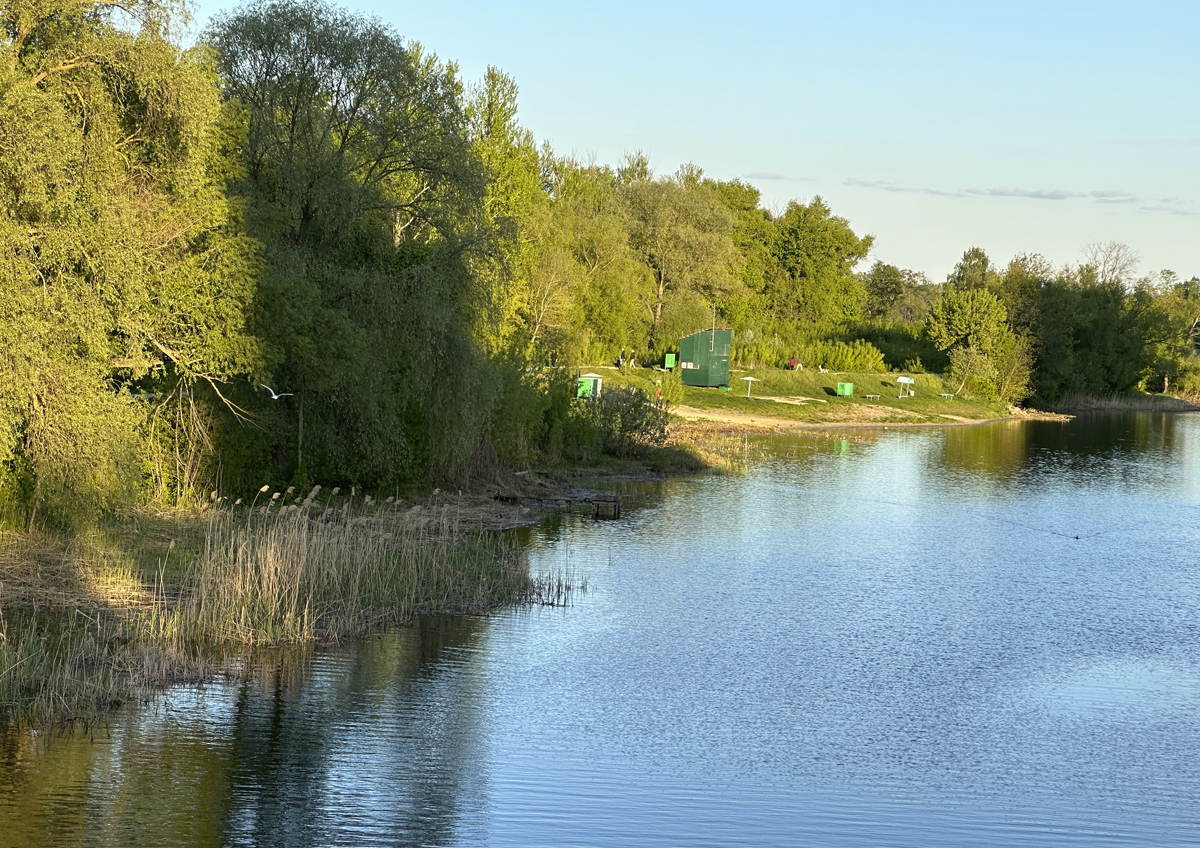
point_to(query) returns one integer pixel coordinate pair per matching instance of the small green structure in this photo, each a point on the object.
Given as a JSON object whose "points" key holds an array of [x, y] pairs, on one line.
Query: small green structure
{"points": [[704, 358], [588, 386], [669, 361], [845, 390]]}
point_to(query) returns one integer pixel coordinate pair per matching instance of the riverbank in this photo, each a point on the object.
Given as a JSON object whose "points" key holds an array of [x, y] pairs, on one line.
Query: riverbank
{"points": [[779, 400], [1078, 402], [93, 620]]}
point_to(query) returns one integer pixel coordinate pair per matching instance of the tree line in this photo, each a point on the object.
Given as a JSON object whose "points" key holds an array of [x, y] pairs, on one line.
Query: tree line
{"points": [[307, 201]]}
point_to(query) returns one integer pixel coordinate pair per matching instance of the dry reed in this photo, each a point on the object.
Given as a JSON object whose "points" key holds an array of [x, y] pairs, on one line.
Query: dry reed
{"points": [[297, 575], [1122, 402], [87, 634]]}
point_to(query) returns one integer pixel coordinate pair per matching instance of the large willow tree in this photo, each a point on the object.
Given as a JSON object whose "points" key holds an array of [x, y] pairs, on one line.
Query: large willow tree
{"points": [[123, 277], [362, 184]]}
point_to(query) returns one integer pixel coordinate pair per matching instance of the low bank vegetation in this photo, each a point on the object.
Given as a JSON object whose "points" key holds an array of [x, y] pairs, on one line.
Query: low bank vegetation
{"points": [[92, 623], [1125, 402]]}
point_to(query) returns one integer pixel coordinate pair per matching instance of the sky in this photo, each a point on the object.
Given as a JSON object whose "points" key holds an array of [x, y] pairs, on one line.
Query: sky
{"points": [[1018, 127]]}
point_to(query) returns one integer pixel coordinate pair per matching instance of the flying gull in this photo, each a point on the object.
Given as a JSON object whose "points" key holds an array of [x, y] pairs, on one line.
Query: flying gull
{"points": [[272, 391]]}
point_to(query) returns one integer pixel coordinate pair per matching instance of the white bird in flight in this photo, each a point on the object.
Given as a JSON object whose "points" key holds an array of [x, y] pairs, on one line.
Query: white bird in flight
{"points": [[272, 391]]}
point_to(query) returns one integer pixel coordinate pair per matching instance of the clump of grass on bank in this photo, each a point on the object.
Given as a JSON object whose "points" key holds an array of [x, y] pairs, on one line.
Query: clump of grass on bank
{"points": [[62, 666]]}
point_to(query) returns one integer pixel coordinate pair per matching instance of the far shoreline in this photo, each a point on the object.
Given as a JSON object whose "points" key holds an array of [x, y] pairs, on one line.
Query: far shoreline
{"points": [[729, 421]]}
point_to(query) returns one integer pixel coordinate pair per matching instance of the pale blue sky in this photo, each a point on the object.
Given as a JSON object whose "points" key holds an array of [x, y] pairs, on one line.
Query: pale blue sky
{"points": [[1016, 126]]}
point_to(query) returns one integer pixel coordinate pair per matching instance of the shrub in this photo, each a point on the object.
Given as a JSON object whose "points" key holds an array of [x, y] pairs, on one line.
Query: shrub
{"points": [[672, 387], [971, 369], [620, 422]]}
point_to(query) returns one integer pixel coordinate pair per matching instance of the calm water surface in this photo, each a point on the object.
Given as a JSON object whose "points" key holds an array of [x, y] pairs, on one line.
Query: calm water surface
{"points": [[985, 636]]}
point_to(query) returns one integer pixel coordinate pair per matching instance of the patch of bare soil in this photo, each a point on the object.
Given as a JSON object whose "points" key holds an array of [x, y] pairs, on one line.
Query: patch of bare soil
{"points": [[798, 400], [867, 412]]}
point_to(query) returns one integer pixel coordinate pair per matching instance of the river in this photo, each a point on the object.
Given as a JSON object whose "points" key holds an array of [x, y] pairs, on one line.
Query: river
{"points": [[979, 636]]}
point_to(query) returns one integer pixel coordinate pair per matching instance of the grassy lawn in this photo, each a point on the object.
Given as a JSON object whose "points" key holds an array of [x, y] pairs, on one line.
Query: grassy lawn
{"points": [[811, 397]]}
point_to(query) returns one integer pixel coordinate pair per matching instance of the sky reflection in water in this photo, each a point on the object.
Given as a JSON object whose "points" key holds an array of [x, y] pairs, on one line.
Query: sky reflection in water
{"points": [[877, 639]]}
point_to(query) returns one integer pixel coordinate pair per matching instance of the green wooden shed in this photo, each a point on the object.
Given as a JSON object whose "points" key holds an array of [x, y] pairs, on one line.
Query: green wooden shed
{"points": [[704, 358]]}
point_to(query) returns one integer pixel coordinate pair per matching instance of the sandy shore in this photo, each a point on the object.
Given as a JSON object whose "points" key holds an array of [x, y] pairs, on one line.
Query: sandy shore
{"points": [[863, 417]]}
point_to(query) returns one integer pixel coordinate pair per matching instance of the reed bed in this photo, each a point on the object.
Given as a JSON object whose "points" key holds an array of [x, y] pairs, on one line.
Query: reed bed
{"points": [[87, 631], [1123, 402], [63, 667], [297, 576]]}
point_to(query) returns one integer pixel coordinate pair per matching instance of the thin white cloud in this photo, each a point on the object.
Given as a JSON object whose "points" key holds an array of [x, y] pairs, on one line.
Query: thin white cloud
{"points": [[1033, 194], [1170, 210], [1170, 205], [1115, 196], [886, 186], [775, 175]]}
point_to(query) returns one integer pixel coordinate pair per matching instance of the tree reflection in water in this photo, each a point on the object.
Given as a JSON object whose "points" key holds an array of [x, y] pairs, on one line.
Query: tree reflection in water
{"points": [[374, 742]]}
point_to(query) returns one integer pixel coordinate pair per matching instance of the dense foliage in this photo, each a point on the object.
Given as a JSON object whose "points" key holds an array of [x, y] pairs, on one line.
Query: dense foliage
{"points": [[312, 203]]}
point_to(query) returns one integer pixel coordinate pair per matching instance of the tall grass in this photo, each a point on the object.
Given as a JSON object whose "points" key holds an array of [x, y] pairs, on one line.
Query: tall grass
{"points": [[295, 576], [263, 575], [58, 666], [1121, 402]]}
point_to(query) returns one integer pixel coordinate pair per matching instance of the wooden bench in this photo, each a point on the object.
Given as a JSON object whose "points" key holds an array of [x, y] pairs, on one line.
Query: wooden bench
{"points": [[871, 397]]}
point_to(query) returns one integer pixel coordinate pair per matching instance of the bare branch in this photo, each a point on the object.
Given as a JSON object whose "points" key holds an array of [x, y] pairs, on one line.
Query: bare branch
{"points": [[1114, 261]]}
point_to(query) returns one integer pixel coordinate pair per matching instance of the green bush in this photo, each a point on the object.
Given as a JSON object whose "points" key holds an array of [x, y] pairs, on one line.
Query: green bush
{"points": [[752, 351], [620, 423]]}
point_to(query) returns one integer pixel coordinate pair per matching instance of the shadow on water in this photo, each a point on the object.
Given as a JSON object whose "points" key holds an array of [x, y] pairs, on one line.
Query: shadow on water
{"points": [[365, 743]]}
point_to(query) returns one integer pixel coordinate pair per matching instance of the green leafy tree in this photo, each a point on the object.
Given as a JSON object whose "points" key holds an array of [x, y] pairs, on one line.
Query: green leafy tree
{"points": [[1012, 358], [362, 181], [603, 313], [817, 252], [1171, 325], [125, 279], [973, 271], [972, 367], [681, 231], [966, 317], [885, 287], [1092, 337], [525, 274], [747, 303]]}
